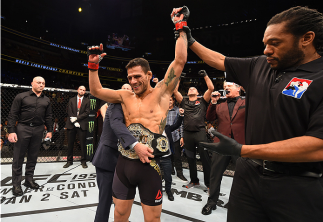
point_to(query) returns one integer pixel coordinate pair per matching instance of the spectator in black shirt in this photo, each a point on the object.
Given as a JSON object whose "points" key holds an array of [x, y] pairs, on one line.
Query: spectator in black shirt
{"points": [[194, 128], [32, 110]]}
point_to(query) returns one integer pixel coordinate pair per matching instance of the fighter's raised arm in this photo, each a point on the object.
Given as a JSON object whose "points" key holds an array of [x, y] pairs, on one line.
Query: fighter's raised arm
{"points": [[209, 84], [179, 17], [95, 55], [210, 57]]}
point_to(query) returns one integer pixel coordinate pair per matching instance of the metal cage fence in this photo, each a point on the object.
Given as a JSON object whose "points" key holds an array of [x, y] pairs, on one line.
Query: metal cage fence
{"points": [[56, 150]]}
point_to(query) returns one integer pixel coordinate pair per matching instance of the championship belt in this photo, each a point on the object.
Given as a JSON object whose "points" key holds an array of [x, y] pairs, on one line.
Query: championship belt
{"points": [[157, 142]]}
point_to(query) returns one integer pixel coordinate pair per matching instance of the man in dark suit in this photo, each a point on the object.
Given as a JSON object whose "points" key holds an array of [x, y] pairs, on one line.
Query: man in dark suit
{"points": [[76, 123], [231, 122], [106, 155]]}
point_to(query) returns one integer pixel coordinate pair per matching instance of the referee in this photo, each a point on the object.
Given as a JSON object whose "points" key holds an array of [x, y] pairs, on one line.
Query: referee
{"points": [[32, 110]]}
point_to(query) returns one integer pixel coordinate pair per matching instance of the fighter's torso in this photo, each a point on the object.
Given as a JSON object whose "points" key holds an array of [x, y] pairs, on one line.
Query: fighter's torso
{"points": [[150, 111]]}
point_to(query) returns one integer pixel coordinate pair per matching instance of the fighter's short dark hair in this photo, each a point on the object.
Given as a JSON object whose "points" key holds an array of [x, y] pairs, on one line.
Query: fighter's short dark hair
{"points": [[139, 62], [300, 20]]}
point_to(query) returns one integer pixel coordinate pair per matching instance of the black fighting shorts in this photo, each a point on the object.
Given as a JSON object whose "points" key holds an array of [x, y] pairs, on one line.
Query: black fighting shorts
{"points": [[130, 174]]}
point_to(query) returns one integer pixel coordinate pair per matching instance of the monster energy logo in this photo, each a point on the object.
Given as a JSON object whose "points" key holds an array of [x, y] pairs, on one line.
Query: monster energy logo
{"points": [[89, 149], [93, 104], [91, 126]]}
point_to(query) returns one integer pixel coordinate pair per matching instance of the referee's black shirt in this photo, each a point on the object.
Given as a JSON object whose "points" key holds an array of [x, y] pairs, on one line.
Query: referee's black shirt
{"points": [[280, 104], [30, 110]]}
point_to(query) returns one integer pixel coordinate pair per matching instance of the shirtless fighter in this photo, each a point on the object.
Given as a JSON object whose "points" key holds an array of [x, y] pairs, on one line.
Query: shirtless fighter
{"points": [[145, 110]]}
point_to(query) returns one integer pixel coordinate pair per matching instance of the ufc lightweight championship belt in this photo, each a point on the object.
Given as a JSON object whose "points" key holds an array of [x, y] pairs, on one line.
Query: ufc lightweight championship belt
{"points": [[157, 142]]}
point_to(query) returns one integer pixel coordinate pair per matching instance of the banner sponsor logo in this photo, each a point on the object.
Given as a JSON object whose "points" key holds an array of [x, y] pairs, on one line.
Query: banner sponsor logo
{"points": [[91, 126], [89, 149], [64, 47], [93, 104], [71, 72]]}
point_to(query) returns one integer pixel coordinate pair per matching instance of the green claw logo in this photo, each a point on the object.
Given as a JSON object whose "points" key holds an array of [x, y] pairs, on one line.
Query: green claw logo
{"points": [[91, 126], [89, 149], [93, 104]]}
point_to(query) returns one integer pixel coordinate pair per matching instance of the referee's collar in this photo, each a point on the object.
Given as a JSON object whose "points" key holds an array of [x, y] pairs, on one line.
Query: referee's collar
{"points": [[313, 66]]}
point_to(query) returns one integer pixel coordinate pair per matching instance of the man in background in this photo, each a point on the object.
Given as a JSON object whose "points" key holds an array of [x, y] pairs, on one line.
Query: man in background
{"points": [[77, 114], [32, 110], [231, 122], [194, 128]]}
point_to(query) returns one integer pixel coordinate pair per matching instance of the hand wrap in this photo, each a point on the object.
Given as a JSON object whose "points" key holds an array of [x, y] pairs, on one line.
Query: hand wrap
{"points": [[91, 65], [202, 73], [181, 23]]}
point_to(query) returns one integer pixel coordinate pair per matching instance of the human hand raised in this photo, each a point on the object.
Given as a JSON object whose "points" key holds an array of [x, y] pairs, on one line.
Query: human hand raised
{"points": [[95, 55], [155, 80], [180, 16], [202, 73]]}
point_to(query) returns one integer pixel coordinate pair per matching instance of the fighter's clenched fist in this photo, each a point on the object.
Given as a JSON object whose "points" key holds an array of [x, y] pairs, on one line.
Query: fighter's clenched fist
{"points": [[180, 16], [95, 55]]}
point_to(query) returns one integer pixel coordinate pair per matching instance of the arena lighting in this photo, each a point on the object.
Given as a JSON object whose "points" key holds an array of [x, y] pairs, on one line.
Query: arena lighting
{"points": [[80, 9]]}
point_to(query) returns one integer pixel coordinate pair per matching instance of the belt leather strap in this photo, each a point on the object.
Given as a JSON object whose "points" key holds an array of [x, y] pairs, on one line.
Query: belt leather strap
{"points": [[157, 142], [278, 168]]}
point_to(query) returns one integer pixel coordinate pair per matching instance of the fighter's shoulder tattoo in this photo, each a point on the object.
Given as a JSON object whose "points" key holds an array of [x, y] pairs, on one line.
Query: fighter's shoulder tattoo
{"points": [[171, 76], [162, 124]]}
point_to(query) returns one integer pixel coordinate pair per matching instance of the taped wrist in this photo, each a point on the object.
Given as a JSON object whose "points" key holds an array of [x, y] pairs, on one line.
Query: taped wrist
{"points": [[93, 66], [180, 25]]}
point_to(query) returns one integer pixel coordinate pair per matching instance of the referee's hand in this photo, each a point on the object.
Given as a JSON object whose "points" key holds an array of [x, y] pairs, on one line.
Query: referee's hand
{"points": [[226, 147], [12, 138]]}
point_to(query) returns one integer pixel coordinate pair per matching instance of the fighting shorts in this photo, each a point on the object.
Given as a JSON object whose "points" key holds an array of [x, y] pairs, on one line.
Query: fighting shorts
{"points": [[130, 174]]}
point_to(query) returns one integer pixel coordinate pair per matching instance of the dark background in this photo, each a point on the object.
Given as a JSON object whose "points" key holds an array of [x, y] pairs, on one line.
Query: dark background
{"points": [[234, 28]]}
